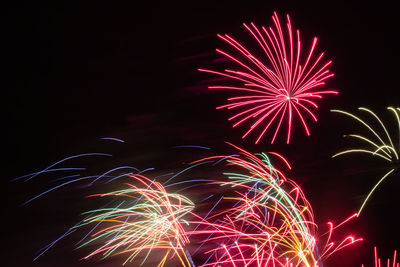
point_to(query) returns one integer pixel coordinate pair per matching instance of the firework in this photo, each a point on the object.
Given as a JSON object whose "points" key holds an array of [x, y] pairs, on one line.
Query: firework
{"points": [[277, 87], [264, 218], [270, 222], [138, 220], [147, 218], [378, 143], [389, 263]]}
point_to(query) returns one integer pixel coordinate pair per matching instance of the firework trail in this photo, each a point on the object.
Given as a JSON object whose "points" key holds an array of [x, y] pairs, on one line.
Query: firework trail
{"points": [[147, 219], [269, 222], [277, 84], [379, 263], [379, 143], [140, 220], [263, 219]]}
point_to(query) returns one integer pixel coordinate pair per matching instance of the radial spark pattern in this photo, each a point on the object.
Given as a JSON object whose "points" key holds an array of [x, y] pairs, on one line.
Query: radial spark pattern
{"points": [[277, 84]]}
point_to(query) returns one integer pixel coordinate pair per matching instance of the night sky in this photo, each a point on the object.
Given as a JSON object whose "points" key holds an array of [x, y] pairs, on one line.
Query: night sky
{"points": [[76, 72]]}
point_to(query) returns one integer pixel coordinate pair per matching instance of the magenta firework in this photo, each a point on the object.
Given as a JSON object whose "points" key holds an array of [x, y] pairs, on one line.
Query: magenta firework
{"points": [[275, 85]]}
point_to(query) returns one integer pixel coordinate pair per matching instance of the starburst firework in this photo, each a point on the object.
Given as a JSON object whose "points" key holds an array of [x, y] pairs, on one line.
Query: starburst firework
{"points": [[282, 84]]}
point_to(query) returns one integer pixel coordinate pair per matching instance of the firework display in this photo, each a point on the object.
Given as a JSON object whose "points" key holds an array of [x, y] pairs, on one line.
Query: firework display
{"points": [[146, 218], [217, 207], [262, 218], [378, 143], [270, 222], [279, 87]]}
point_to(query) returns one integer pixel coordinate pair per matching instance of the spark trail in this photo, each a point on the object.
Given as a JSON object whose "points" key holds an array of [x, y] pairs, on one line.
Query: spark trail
{"points": [[275, 85]]}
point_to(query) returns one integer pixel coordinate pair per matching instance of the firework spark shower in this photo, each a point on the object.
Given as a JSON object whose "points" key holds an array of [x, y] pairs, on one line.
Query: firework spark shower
{"points": [[262, 218], [270, 222], [279, 87], [159, 187], [378, 143], [146, 218]]}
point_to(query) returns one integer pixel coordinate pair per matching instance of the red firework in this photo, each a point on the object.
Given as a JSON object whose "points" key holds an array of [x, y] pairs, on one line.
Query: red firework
{"points": [[379, 263], [283, 86]]}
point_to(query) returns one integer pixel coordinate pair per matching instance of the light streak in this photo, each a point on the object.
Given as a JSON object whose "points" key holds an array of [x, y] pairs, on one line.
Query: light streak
{"points": [[389, 262], [268, 221], [379, 143], [153, 221], [275, 84]]}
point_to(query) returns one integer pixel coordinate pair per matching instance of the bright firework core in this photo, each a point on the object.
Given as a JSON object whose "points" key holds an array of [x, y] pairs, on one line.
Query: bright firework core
{"points": [[267, 88]]}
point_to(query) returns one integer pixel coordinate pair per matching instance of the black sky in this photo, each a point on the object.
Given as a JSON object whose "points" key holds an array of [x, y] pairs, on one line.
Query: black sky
{"points": [[79, 71]]}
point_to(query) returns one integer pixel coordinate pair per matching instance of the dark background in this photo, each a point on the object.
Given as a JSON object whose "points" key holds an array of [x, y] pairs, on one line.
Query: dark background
{"points": [[78, 71]]}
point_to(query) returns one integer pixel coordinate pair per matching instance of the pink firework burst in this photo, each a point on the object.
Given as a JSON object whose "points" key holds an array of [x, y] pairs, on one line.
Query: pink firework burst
{"points": [[280, 86]]}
